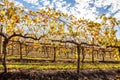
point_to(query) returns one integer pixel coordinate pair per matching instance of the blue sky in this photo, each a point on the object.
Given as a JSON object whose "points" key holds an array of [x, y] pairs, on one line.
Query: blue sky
{"points": [[79, 8]]}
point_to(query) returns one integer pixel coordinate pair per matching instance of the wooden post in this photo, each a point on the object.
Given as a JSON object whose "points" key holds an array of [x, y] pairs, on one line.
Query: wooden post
{"points": [[46, 50], [0, 48], [12, 47], [93, 51], [110, 55], [5, 42], [78, 59], [119, 51], [97, 53], [26, 49], [20, 51], [54, 54], [103, 55], [83, 54]]}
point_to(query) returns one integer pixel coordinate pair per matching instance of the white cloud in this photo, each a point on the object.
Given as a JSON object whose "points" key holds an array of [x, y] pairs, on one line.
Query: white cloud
{"points": [[46, 3], [83, 9], [31, 1], [117, 15], [80, 8], [18, 4], [115, 4]]}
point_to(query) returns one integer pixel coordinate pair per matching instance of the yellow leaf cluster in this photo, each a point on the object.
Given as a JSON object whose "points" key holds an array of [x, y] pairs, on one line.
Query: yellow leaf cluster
{"points": [[8, 29], [6, 2], [29, 21], [53, 25], [2, 12], [15, 18], [25, 17], [35, 41], [10, 12], [15, 38], [2, 19], [45, 20], [106, 32]]}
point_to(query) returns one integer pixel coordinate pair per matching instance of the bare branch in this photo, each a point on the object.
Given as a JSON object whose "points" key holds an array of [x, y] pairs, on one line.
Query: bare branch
{"points": [[113, 46], [67, 41], [71, 41], [25, 36], [1, 34]]}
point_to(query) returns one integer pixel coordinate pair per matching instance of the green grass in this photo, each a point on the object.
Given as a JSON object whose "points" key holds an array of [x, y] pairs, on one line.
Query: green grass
{"points": [[60, 66], [56, 65], [100, 66], [41, 66]]}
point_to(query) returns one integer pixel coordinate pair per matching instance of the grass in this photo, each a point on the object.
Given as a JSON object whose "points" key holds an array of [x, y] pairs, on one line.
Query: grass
{"points": [[41, 66], [60, 66], [100, 66], [56, 65]]}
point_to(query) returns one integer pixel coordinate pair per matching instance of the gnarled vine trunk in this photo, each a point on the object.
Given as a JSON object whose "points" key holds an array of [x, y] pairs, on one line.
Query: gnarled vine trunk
{"points": [[20, 51], [119, 51], [5, 42], [54, 54], [83, 55], [0, 48], [78, 59]]}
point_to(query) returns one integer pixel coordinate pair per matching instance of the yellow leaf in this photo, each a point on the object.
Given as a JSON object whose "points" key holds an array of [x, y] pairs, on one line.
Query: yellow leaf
{"points": [[2, 12], [22, 31], [16, 38], [106, 32], [45, 20], [35, 20], [12, 4], [28, 22], [105, 18], [6, 2], [8, 24], [2, 19], [12, 21], [35, 41]]}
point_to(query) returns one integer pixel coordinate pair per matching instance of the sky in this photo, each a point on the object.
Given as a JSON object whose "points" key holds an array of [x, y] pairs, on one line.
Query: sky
{"points": [[89, 9], [80, 8]]}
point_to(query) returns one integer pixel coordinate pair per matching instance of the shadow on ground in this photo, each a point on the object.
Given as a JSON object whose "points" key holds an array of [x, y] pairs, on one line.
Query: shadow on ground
{"points": [[61, 75]]}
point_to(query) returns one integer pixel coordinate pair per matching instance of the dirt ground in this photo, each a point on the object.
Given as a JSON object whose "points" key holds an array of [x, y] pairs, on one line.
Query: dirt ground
{"points": [[113, 74]]}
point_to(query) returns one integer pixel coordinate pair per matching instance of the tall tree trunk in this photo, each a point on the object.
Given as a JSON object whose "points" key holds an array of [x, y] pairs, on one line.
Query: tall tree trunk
{"points": [[5, 42], [78, 59]]}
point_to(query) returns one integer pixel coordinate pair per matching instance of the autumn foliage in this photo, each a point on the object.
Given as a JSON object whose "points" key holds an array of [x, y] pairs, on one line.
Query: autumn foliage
{"points": [[18, 22]]}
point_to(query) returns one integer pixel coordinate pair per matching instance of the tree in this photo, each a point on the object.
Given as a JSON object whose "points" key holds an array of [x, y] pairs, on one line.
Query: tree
{"points": [[76, 33], [13, 22], [80, 31], [17, 22], [107, 31]]}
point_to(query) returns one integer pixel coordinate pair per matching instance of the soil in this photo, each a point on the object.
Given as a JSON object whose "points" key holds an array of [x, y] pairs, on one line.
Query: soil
{"points": [[112, 74]]}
